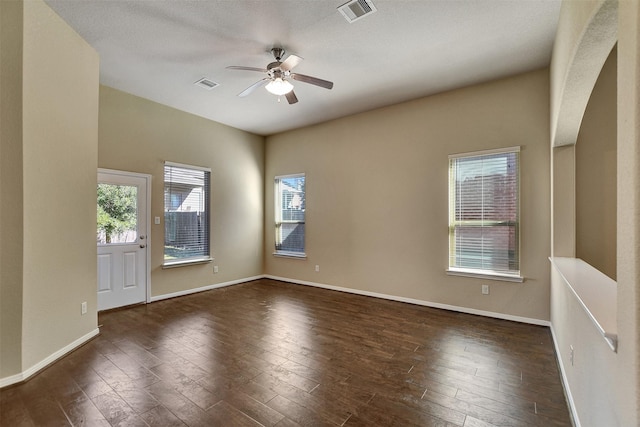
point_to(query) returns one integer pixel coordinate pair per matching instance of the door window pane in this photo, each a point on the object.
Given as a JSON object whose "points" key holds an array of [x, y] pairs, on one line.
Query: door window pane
{"points": [[117, 214]]}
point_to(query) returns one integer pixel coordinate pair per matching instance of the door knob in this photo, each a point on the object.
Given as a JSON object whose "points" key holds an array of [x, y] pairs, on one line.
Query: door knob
{"points": [[142, 246]]}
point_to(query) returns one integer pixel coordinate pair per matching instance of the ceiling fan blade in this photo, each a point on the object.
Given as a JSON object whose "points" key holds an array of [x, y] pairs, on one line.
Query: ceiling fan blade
{"points": [[253, 87], [290, 62], [240, 67], [312, 80], [291, 97]]}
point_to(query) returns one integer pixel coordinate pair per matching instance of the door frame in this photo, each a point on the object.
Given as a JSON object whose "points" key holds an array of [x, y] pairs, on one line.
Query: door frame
{"points": [[147, 248]]}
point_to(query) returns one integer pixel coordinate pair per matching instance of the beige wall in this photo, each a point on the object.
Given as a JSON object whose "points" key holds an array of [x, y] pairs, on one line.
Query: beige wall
{"points": [[60, 96], [11, 229], [377, 197], [49, 158], [627, 372], [576, 60], [563, 178], [603, 384], [596, 175], [138, 135]]}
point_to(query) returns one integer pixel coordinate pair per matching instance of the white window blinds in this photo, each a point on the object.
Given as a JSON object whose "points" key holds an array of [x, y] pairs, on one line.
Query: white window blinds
{"points": [[290, 214], [484, 218], [186, 212]]}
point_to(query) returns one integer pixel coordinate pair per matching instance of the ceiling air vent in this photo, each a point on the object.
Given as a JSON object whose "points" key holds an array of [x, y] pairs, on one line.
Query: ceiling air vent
{"points": [[356, 9], [206, 83]]}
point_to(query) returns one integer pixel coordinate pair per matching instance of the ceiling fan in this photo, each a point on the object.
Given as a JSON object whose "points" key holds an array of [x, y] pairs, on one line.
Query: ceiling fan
{"points": [[278, 75]]}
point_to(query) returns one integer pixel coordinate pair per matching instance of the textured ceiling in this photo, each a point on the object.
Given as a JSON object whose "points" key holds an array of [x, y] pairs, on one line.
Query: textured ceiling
{"points": [[406, 50]]}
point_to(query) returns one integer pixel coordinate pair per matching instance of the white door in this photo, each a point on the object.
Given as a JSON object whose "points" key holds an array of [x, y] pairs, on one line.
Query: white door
{"points": [[122, 239]]}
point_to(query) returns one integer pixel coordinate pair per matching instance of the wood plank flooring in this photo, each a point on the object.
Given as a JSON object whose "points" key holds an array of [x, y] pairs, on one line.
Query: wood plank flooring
{"points": [[268, 353]]}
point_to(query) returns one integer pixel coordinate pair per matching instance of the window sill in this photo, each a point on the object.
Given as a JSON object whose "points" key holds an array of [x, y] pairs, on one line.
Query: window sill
{"points": [[485, 274], [184, 263], [297, 255]]}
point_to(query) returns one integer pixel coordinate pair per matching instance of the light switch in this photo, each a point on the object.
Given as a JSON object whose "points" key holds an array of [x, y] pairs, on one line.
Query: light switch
{"points": [[157, 220]]}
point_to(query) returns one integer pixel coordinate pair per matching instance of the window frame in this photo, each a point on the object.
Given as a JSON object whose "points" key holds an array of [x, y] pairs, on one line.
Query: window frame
{"points": [[508, 275], [206, 194], [278, 221]]}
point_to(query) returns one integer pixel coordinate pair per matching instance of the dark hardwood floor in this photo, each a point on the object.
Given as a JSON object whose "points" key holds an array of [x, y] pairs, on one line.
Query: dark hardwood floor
{"points": [[277, 354]]}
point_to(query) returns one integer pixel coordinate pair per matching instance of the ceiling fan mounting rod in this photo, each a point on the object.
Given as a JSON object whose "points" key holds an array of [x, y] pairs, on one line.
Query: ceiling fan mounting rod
{"points": [[278, 53]]}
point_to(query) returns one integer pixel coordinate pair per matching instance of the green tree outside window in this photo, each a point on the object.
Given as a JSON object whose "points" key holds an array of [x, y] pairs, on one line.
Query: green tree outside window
{"points": [[117, 210]]}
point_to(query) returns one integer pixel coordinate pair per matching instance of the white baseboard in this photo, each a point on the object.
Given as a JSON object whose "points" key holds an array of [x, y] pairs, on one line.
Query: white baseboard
{"points": [[24, 375], [358, 292], [417, 302], [204, 288], [565, 380]]}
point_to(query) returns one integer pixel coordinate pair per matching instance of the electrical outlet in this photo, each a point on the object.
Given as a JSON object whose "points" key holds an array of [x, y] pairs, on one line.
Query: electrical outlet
{"points": [[317, 267], [485, 289], [571, 354], [83, 308], [215, 269]]}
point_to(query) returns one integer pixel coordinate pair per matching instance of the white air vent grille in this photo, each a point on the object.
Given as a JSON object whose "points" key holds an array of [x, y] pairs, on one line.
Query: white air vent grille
{"points": [[356, 9], [206, 83]]}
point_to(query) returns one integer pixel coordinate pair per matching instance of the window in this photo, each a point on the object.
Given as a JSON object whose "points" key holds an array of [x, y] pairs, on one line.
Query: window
{"points": [[484, 218], [289, 215], [117, 213], [186, 214]]}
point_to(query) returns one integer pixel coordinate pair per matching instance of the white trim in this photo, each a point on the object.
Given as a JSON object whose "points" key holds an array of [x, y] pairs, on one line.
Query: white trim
{"points": [[13, 379], [459, 309], [515, 149], [148, 237], [484, 274], [277, 214], [185, 166], [565, 380], [124, 173], [24, 375], [285, 254], [291, 175], [467, 310], [205, 288], [185, 262]]}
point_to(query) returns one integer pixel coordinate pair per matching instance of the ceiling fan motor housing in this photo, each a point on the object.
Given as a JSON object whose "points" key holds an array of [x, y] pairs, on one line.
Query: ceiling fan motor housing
{"points": [[276, 72]]}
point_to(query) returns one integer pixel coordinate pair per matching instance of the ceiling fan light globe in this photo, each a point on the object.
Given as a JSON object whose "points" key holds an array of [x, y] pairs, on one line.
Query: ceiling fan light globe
{"points": [[279, 87]]}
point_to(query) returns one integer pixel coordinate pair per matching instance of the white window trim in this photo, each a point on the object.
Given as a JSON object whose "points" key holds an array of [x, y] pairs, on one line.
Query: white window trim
{"points": [[196, 260], [290, 175], [288, 254], [186, 262], [488, 274], [484, 274], [514, 149], [186, 166]]}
